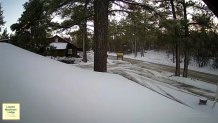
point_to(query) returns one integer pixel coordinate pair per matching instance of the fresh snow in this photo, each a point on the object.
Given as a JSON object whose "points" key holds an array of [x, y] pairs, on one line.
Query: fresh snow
{"points": [[53, 92], [58, 45], [165, 59], [187, 91], [196, 83]]}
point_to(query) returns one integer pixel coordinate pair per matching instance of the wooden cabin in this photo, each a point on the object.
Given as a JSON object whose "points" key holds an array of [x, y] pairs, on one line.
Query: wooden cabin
{"points": [[62, 47]]}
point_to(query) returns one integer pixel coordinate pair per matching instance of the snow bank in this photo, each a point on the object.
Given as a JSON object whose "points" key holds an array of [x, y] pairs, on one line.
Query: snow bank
{"points": [[53, 92]]}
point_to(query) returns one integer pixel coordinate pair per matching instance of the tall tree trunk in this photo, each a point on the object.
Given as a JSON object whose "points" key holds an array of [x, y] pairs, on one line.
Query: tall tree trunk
{"points": [[85, 38], [109, 47], [142, 50], [114, 48], [173, 53], [134, 38], [100, 34], [177, 72], [198, 58], [135, 46], [186, 51], [186, 62]]}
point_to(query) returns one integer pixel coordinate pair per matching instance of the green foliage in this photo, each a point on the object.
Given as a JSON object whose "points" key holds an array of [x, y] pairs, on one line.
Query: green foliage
{"points": [[77, 37], [139, 26], [147, 24], [72, 12], [4, 35], [1, 17], [158, 33], [32, 29]]}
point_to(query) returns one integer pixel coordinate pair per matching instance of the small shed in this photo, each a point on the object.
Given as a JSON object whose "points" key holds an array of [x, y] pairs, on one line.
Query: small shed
{"points": [[62, 47]]}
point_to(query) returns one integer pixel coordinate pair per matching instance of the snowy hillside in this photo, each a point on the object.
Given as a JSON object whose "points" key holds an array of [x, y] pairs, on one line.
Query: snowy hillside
{"points": [[53, 92]]}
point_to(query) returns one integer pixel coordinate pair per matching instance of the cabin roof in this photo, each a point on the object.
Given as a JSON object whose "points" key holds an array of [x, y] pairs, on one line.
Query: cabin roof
{"points": [[58, 45]]}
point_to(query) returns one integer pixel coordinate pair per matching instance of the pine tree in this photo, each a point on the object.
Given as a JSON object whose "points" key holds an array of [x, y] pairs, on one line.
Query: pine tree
{"points": [[32, 27], [1, 18]]}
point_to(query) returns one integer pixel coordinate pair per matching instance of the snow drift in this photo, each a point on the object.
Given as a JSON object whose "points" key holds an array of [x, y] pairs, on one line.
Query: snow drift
{"points": [[53, 92]]}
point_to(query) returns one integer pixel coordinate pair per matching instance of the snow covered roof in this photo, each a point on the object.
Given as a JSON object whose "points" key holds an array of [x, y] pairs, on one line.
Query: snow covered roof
{"points": [[53, 92], [58, 45]]}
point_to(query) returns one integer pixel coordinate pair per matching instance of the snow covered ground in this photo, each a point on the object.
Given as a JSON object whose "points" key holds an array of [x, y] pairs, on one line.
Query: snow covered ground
{"points": [[183, 90], [162, 58], [53, 92], [187, 91]]}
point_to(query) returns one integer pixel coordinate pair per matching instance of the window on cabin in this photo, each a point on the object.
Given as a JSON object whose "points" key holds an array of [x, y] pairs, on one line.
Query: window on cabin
{"points": [[70, 51], [56, 39]]}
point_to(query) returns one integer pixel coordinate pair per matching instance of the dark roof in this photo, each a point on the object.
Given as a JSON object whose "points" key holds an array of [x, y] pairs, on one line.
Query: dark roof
{"points": [[52, 39], [62, 39]]}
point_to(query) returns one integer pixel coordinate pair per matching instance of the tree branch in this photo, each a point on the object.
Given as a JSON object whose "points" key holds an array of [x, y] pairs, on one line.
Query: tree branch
{"points": [[119, 10]]}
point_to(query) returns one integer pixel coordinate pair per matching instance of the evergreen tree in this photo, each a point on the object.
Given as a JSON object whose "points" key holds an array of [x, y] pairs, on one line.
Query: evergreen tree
{"points": [[1, 18], [5, 34], [32, 28]]}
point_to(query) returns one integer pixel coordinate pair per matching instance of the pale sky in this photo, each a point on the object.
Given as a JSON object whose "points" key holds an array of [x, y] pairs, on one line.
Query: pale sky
{"points": [[12, 10]]}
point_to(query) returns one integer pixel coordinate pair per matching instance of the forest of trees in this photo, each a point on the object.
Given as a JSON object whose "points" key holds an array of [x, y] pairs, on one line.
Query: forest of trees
{"points": [[186, 29], [4, 35]]}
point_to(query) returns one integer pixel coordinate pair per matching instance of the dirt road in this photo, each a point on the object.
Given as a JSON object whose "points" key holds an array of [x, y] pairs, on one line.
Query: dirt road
{"points": [[159, 79], [158, 67]]}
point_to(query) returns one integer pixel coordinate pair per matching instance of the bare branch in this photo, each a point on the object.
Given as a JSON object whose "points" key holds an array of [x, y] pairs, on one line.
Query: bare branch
{"points": [[119, 10]]}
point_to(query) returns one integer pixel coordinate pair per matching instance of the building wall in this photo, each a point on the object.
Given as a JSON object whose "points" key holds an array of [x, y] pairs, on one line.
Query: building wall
{"points": [[74, 50], [64, 52], [59, 53]]}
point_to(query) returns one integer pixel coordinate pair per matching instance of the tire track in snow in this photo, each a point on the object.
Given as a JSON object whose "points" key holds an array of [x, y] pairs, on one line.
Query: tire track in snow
{"points": [[150, 86]]}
